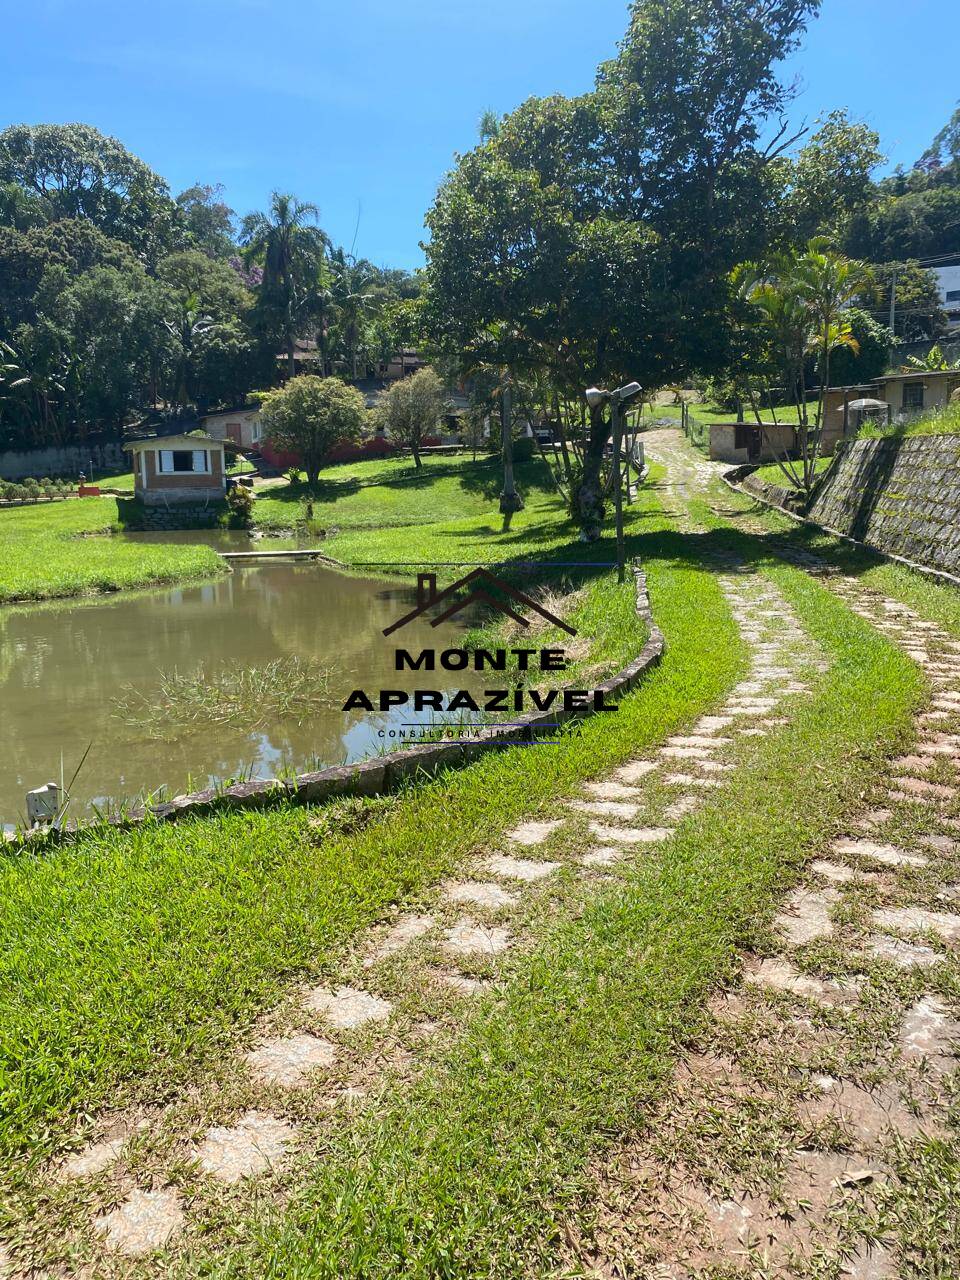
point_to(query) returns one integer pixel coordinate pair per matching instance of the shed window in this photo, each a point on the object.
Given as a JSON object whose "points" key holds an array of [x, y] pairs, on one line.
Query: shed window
{"points": [[191, 461], [913, 395], [953, 295]]}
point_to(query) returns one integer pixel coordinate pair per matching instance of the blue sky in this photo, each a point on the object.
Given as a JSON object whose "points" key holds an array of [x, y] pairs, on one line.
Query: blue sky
{"points": [[360, 106]]}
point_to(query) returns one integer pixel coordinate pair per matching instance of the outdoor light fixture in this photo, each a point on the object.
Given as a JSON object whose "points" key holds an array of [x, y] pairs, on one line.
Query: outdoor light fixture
{"points": [[596, 395], [627, 392]]}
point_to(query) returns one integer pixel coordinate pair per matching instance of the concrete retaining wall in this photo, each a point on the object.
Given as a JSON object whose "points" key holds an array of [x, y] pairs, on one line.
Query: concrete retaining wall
{"points": [[61, 460]]}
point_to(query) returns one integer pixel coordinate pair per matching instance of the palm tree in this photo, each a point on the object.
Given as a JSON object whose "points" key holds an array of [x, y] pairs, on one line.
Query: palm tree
{"points": [[191, 323], [827, 282], [802, 300], [352, 292], [290, 248]]}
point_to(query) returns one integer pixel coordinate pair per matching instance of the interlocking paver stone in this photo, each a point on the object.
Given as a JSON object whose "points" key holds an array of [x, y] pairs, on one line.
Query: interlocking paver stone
{"points": [[531, 833], [905, 955], [469, 939], [888, 854], [807, 916], [492, 896], [917, 920], [629, 835], [256, 1143]]}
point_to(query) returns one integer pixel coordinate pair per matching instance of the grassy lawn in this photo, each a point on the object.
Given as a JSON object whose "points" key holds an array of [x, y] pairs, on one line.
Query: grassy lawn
{"points": [[467, 1172], [771, 473], [943, 422], [392, 492], [47, 551], [117, 942]]}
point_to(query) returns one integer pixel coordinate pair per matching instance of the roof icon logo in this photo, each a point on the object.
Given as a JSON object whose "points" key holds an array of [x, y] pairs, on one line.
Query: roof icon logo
{"points": [[480, 581]]}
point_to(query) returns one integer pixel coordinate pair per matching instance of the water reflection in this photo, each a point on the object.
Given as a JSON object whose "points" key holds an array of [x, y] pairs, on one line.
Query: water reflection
{"points": [[62, 668]]}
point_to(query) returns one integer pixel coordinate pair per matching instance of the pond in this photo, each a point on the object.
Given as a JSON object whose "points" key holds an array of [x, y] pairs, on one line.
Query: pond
{"points": [[178, 687]]}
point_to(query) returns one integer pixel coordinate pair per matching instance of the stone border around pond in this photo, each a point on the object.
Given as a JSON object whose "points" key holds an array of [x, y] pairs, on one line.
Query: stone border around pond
{"points": [[735, 479], [384, 773]]}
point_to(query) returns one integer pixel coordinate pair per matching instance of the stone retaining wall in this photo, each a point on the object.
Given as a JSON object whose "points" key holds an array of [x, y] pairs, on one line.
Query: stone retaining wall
{"points": [[184, 515], [901, 496], [779, 495], [385, 773]]}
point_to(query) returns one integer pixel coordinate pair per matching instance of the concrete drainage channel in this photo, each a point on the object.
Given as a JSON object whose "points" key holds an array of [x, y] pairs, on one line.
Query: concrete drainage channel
{"points": [[142, 1180]]}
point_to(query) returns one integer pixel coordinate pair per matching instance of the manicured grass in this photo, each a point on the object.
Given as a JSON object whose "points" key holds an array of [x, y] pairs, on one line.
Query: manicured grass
{"points": [[47, 551], [468, 1171], [134, 956], [392, 492], [772, 474]]}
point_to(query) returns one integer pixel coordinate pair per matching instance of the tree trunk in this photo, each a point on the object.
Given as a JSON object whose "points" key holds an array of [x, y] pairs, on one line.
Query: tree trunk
{"points": [[415, 450], [590, 500], [291, 356], [510, 500]]}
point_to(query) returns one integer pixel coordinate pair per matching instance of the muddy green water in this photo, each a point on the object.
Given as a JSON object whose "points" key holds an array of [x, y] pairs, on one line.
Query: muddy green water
{"points": [[64, 669]]}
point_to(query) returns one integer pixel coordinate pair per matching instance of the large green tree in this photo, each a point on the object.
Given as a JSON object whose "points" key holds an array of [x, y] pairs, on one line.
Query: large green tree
{"points": [[829, 183], [208, 219], [591, 239], [74, 171], [309, 415]]}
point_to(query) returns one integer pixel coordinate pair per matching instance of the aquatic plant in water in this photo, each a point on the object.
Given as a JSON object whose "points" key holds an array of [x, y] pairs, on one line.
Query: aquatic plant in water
{"points": [[242, 697]]}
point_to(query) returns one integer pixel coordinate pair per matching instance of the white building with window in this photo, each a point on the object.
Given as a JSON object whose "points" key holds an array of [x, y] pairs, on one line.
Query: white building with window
{"points": [[242, 426], [948, 282], [178, 468]]}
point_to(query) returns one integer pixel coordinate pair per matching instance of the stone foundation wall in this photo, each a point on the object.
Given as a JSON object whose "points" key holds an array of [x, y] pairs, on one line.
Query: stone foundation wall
{"points": [[182, 516], [901, 496]]}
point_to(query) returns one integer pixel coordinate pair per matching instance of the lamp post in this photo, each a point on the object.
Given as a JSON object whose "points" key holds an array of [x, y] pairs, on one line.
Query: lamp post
{"points": [[618, 399]]}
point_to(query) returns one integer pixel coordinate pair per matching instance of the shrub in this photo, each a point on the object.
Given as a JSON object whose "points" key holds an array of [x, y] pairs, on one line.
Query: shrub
{"points": [[523, 449], [239, 506]]}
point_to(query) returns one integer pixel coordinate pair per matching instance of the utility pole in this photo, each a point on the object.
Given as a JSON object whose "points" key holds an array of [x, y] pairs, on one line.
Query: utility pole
{"points": [[893, 302]]}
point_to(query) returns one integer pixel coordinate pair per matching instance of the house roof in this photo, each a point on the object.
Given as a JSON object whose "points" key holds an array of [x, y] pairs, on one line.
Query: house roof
{"points": [[905, 375], [231, 412], [191, 441]]}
